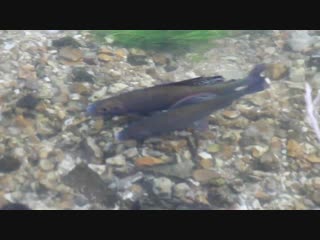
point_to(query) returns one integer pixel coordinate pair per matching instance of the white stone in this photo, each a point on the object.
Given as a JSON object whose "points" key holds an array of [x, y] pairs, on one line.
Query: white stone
{"points": [[98, 168], [117, 160], [205, 155], [46, 165]]}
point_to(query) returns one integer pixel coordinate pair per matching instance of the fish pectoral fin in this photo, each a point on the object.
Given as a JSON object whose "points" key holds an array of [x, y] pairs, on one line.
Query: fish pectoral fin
{"points": [[201, 125], [193, 99]]}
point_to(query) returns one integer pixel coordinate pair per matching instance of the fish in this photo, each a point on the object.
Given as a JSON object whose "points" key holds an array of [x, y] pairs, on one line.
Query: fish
{"points": [[143, 101], [162, 97], [191, 111]]}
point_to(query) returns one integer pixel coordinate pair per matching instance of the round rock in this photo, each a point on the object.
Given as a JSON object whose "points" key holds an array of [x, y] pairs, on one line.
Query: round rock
{"points": [[162, 187]]}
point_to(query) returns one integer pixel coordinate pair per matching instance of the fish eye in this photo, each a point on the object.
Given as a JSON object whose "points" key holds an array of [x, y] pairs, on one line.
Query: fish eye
{"points": [[104, 109]]}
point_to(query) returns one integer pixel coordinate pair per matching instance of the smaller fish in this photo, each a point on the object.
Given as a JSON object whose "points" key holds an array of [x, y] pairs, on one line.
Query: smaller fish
{"points": [[191, 111]]}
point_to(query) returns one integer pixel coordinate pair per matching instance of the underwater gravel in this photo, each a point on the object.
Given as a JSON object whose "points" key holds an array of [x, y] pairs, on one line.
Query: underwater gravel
{"points": [[260, 153]]}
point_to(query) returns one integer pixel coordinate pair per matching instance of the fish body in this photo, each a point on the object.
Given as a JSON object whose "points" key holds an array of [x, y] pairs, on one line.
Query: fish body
{"points": [[185, 115], [161, 97], [143, 101]]}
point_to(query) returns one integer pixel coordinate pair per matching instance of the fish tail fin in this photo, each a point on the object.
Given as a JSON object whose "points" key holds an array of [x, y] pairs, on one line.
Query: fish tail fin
{"points": [[256, 82]]}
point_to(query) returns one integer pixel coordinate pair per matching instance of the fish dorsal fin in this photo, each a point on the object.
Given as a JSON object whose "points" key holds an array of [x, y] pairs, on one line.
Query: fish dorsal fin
{"points": [[193, 99], [199, 81]]}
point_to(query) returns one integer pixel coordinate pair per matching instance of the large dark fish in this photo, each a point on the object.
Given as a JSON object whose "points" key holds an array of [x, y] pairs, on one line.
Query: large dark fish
{"points": [[161, 97], [190, 111]]}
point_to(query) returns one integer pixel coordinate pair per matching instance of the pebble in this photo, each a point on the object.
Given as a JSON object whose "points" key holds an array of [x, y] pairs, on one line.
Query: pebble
{"points": [[70, 54], [148, 161], [276, 71], [65, 41], [162, 187], [181, 190], [28, 101], [258, 151], [316, 183], [230, 114], [98, 168], [80, 88], [263, 196], [294, 149], [9, 164], [27, 72], [204, 176], [181, 170], [205, 155], [213, 148], [118, 161], [316, 197], [131, 152], [117, 87], [313, 158], [297, 74], [270, 50], [87, 182], [206, 163], [80, 74], [269, 162], [105, 57], [94, 147], [137, 60], [300, 40]]}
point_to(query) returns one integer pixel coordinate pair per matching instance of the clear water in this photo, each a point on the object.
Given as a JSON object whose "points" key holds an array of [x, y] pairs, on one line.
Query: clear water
{"points": [[261, 152]]}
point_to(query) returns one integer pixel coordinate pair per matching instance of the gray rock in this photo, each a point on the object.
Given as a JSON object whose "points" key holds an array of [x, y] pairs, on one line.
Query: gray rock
{"points": [[316, 80], [118, 161], [5, 67], [46, 165], [316, 197], [268, 162], [259, 131], [300, 40], [180, 170], [137, 57], [314, 60], [297, 74], [87, 182], [180, 190], [65, 41], [162, 187], [28, 101], [131, 152], [80, 74], [9, 164], [94, 147]]}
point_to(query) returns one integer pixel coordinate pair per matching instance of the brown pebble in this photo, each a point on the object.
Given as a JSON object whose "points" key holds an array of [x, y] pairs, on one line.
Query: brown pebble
{"points": [[294, 149], [70, 54], [206, 163], [105, 57], [148, 161], [313, 158], [276, 71]]}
